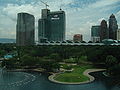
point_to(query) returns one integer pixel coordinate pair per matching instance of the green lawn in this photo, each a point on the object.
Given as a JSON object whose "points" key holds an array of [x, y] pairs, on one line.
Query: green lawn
{"points": [[75, 76]]}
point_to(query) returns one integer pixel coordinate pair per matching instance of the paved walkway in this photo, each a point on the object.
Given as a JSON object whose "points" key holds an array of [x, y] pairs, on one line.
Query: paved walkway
{"points": [[22, 70], [86, 73]]}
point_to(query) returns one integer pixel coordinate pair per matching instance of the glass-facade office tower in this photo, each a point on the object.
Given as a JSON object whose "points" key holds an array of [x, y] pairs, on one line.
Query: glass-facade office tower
{"points": [[51, 26], [95, 33], [25, 29], [113, 27], [104, 32]]}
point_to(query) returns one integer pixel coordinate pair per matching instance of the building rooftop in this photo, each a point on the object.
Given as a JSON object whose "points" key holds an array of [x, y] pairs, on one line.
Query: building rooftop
{"points": [[112, 16], [24, 13]]}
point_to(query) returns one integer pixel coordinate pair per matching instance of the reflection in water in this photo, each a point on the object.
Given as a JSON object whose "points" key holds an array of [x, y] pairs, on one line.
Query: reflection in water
{"points": [[37, 81], [107, 82], [11, 80]]}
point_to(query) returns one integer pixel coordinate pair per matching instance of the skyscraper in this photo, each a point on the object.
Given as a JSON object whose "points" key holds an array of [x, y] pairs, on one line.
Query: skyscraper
{"points": [[25, 29], [95, 33], [113, 27], [104, 32], [118, 34], [51, 26]]}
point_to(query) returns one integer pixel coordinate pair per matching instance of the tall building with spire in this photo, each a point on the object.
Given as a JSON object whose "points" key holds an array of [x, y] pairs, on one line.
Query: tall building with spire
{"points": [[104, 32], [51, 26], [25, 29], [113, 27]]}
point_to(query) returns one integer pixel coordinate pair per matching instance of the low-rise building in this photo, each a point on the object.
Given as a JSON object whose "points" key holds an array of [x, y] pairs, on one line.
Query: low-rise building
{"points": [[78, 37]]}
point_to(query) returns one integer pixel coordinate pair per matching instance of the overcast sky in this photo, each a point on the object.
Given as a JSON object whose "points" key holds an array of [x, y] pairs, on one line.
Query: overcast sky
{"points": [[80, 14]]}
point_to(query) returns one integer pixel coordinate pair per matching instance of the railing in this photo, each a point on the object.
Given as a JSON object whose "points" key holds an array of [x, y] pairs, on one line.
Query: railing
{"points": [[72, 44]]}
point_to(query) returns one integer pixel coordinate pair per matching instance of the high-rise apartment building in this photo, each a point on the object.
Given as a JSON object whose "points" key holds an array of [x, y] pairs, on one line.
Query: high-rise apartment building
{"points": [[95, 33], [104, 32], [113, 27], [51, 26], [25, 29]]}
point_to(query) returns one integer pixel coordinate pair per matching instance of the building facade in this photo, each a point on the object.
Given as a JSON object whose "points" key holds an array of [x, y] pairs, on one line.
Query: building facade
{"points": [[95, 34], [113, 27], [25, 29], [78, 38], [104, 32], [118, 34], [52, 26]]}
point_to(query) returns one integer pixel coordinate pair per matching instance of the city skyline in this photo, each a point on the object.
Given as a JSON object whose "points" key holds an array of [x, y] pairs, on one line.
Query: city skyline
{"points": [[80, 14]]}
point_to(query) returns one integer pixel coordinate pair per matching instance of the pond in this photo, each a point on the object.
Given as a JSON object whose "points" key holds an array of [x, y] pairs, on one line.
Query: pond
{"points": [[38, 81]]}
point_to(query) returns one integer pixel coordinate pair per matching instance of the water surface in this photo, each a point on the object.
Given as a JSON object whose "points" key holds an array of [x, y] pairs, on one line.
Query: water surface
{"points": [[38, 81]]}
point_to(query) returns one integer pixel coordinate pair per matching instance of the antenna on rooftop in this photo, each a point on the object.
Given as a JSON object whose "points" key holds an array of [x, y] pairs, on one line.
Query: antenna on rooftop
{"points": [[60, 7], [45, 4]]}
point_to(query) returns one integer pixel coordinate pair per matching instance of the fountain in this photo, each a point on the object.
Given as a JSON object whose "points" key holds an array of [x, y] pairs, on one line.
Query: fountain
{"points": [[37, 81], [14, 79]]}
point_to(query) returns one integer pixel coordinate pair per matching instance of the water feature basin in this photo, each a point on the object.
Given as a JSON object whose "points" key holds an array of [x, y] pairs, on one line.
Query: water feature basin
{"points": [[38, 81]]}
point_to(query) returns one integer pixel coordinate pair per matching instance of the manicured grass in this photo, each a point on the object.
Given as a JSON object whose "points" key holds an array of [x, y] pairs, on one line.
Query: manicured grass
{"points": [[75, 76]]}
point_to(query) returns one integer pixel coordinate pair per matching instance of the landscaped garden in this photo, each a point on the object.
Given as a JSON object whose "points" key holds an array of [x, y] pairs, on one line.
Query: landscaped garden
{"points": [[74, 76]]}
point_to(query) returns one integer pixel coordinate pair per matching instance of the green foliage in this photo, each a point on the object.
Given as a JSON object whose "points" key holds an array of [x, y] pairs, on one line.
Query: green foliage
{"points": [[81, 59], [27, 60], [50, 65], [2, 53], [70, 60], [114, 70], [10, 63], [113, 67], [68, 67], [55, 56], [48, 56], [75, 76], [110, 61]]}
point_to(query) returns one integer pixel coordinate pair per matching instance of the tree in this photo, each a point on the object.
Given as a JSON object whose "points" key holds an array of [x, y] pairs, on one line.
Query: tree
{"points": [[55, 56], [10, 63], [111, 64], [2, 53], [27, 60], [110, 61], [82, 59], [55, 66]]}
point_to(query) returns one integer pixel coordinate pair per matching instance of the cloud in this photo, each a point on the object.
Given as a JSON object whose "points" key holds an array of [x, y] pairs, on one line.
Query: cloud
{"points": [[10, 13], [80, 14]]}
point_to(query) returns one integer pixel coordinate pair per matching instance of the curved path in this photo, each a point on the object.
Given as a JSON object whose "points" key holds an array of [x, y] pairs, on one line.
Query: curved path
{"points": [[86, 73]]}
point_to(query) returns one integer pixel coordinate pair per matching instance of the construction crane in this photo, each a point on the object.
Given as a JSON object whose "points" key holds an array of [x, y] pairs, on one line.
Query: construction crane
{"points": [[45, 4]]}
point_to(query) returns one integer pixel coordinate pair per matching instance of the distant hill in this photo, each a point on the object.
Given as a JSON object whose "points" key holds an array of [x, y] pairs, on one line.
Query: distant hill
{"points": [[6, 40]]}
